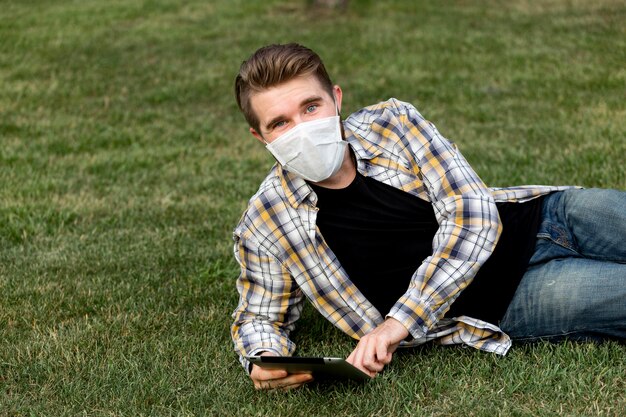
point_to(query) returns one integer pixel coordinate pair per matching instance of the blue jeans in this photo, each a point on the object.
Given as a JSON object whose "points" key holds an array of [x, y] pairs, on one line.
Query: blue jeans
{"points": [[575, 286]]}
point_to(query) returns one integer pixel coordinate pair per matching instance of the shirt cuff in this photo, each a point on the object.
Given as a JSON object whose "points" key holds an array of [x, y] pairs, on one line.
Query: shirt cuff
{"points": [[247, 365], [413, 316]]}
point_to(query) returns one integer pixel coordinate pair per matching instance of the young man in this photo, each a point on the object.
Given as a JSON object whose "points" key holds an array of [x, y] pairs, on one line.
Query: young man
{"points": [[384, 227]]}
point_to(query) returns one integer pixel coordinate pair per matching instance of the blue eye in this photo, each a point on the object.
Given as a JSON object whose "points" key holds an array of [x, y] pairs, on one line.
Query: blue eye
{"points": [[311, 108]]}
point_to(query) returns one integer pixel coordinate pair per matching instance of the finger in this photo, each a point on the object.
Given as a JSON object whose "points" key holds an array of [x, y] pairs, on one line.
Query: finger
{"points": [[372, 364], [383, 355], [369, 359], [353, 358], [359, 352], [273, 373], [290, 382], [364, 357], [350, 358], [295, 381], [261, 377], [264, 374]]}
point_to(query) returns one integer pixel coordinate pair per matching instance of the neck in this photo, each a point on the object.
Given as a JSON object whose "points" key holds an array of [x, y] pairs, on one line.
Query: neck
{"points": [[344, 176]]}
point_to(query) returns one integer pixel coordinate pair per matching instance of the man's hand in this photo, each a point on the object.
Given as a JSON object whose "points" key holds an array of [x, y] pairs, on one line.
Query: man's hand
{"points": [[275, 378], [376, 348]]}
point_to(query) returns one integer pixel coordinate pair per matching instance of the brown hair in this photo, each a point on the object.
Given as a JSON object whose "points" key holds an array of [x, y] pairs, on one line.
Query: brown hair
{"points": [[273, 65]]}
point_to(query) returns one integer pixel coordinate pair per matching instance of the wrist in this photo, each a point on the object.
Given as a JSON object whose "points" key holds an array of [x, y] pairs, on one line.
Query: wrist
{"points": [[397, 329]]}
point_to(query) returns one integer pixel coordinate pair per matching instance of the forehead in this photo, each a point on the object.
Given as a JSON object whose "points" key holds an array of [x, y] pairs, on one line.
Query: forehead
{"points": [[285, 98]]}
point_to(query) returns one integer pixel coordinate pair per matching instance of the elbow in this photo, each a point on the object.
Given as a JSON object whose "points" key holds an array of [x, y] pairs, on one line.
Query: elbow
{"points": [[492, 230]]}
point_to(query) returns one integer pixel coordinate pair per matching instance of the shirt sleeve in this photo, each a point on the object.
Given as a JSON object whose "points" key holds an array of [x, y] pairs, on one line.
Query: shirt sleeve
{"points": [[469, 224], [269, 303]]}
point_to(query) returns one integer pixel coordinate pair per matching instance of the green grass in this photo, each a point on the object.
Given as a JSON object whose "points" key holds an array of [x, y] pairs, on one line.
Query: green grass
{"points": [[124, 166]]}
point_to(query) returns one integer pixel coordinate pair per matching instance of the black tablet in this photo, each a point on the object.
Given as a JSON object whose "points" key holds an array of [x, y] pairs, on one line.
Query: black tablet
{"points": [[321, 368]]}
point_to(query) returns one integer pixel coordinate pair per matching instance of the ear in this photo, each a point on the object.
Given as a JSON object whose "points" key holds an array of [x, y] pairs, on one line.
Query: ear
{"points": [[257, 135], [338, 96]]}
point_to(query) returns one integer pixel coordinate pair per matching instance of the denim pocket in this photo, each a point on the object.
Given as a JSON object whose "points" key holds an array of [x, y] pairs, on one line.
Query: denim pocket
{"points": [[557, 234]]}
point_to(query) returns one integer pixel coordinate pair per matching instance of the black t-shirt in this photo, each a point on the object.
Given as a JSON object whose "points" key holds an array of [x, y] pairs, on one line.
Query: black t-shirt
{"points": [[381, 235]]}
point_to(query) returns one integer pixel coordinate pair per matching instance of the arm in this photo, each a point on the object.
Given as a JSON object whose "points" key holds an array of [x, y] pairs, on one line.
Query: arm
{"points": [[269, 305], [469, 227]]}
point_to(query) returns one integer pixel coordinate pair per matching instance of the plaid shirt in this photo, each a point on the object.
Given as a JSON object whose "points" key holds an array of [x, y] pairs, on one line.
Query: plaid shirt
{"points": [[284, 258]]}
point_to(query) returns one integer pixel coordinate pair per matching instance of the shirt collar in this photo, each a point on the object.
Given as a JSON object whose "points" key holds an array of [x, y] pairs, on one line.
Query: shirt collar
{"points": [[296, 189], [363, 149]]}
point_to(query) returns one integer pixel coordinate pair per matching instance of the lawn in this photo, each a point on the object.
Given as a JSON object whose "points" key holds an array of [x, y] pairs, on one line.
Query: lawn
{"points": [[125, 165]]}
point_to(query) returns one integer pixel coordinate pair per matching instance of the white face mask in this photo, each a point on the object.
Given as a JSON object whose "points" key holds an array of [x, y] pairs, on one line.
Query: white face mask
{"points": [[312, 150]]}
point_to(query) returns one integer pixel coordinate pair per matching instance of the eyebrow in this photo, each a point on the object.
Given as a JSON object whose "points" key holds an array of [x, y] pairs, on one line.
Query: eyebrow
{"points": [[304, 102]]}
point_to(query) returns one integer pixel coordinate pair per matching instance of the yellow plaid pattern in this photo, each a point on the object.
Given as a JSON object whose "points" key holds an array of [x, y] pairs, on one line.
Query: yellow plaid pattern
{"points": [[284, 258]]}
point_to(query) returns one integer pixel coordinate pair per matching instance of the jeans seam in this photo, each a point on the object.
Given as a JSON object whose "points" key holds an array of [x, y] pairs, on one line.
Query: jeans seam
{"points": [[595, 330], [549, 238]]}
